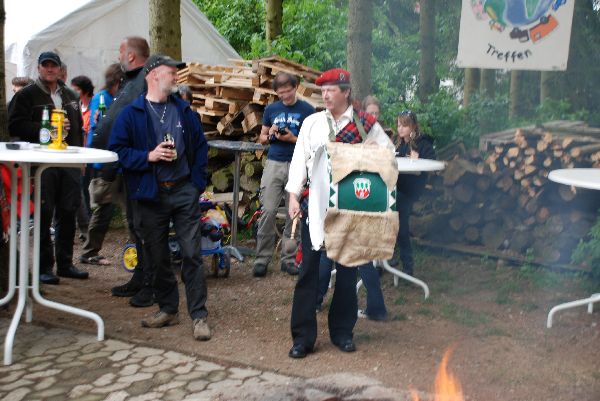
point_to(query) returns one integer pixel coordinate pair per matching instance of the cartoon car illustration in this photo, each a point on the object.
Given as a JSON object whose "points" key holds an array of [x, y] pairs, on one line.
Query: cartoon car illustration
{"points": [[547, 24], [521, 34], [558, 3]]}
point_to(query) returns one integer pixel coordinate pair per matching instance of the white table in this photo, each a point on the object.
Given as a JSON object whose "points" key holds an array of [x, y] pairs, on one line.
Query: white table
{"points": [[588, 178], [408, 166], [32, 155]]}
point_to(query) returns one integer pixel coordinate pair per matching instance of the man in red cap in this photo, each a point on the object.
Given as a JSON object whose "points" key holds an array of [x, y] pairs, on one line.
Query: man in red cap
{"points": [[339, 122]]}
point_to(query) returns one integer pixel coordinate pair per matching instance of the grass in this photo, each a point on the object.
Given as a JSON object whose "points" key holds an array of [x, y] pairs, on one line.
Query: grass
{"points": [[463, 315], [399, 317]]}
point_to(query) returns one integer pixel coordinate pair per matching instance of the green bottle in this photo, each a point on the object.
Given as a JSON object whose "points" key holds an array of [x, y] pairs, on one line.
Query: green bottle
{"points": [[46, 128], [101, 108]]}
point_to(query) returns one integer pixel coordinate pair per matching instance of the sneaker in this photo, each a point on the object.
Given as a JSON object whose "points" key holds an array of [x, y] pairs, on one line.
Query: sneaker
{"points": [[143, 298], [128, 289], [201, 330], [361, 314], [161, 319], [259, 270]]}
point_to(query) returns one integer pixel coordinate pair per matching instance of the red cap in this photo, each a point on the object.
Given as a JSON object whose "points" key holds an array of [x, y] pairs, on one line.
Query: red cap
{"points": [[333, 77]]}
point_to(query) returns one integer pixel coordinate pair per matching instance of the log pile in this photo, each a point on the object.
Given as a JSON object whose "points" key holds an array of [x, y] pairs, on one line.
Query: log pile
{"points": [[503, 201], [231, 101]]}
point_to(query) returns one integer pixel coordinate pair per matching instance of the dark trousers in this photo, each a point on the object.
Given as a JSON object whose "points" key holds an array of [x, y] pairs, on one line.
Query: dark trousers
{"points": [[404, 204], [370, 276], [180, 204], [342, 313], [61, 196]]}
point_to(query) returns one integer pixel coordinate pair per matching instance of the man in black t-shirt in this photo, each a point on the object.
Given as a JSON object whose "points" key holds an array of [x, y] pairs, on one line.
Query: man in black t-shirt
{"points": [[280, 129]]}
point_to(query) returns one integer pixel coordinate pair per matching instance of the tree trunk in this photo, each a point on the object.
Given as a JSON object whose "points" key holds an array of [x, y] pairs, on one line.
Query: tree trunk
{"points": [[3, 137], [516, 99], [487, 84], [359, 46], [427, 78], [550, 85], [165, 27], [274, 20], [471, 84]]}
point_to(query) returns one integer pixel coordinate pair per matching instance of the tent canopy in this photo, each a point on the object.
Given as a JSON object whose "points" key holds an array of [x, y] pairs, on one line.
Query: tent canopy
{"points": [[88, 33]]}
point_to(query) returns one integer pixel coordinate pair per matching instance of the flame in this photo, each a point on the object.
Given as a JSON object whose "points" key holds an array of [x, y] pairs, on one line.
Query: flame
{"points": [[447, 387]]}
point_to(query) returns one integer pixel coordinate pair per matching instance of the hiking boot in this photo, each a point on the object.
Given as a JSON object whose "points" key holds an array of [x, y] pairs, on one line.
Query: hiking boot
{"points": [[128, 289], [259, 270], [201, 330], [161, 319], [143, 298]]}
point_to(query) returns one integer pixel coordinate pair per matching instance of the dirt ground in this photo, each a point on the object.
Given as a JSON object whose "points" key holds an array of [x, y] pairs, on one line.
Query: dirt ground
{"points": [[493, 315]]}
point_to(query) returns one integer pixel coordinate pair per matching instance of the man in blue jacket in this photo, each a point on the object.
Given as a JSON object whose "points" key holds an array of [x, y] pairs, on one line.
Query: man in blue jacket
{"points": [[163, 153]]}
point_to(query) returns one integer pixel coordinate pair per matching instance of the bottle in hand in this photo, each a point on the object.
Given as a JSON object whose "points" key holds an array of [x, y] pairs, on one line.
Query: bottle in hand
{"points": [[171, 143]]}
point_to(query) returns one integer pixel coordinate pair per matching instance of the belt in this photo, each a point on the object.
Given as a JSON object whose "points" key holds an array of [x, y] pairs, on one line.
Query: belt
{"points": [[173, 184]]}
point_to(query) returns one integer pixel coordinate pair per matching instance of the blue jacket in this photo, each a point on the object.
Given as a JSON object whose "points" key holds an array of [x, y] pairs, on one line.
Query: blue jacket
{"points": [[132, 138]]}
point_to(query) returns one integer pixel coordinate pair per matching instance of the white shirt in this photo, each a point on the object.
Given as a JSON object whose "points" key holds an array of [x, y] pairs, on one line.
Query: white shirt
{"points": [[314, 133]]}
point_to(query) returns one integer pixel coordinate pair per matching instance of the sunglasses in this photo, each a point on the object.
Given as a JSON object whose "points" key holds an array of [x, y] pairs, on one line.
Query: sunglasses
{"points": [[410, 114]]}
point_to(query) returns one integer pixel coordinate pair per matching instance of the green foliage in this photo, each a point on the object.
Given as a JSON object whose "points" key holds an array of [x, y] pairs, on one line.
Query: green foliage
{"points": [[588, 251], [237, 20], [314, 34]]}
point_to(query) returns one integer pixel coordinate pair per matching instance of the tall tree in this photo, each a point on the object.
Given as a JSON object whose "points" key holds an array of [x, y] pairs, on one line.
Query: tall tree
{"points": [[427, 77], [274, 25], [359, 46], [165, 27], [517, 105], [471, 84], [487, 82], [549, 85]]}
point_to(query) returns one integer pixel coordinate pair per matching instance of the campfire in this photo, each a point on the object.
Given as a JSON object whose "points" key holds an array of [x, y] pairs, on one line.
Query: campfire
{"points": [[447, 387]]}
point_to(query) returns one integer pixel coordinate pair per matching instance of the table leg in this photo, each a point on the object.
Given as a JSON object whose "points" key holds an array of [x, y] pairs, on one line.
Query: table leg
{"points": [[398, 274], [232, 249], [12, 264], [23, 264], [573, 304], [36, 264]]}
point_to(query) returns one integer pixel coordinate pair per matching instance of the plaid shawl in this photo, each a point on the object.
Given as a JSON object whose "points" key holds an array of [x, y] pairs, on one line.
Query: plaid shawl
{"points": [[350, 134]]}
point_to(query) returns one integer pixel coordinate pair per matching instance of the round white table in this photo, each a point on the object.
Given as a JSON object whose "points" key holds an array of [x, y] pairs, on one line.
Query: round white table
{"points": [[25, 157], [588, 178], [409, 166]]}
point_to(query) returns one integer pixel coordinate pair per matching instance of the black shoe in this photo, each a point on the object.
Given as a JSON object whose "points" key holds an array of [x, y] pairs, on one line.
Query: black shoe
{"points": [[289, 269], [143, 298], [49, 278], [259, 270], [299, 351], [346, 345], [72, 272], [128, 289]]}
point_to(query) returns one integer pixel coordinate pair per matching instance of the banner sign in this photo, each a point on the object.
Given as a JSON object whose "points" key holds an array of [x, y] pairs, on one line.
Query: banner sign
{"points": [[515, 34]]}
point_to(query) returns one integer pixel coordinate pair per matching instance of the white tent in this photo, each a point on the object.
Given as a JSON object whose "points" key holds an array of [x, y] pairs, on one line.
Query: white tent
{"points": [[87, 33]]}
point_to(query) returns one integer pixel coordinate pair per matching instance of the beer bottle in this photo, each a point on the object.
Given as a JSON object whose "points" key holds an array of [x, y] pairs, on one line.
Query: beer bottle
{"points": [[45, 128], [101, 108]]}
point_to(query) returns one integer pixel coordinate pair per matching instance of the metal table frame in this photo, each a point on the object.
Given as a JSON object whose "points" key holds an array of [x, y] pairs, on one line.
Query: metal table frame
{"points": [[237, 147], [26, 159], [588, 178]]}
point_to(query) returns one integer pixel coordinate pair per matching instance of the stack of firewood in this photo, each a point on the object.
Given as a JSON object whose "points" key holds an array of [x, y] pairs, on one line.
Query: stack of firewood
{"points": [[231, 101], [503, 201]]}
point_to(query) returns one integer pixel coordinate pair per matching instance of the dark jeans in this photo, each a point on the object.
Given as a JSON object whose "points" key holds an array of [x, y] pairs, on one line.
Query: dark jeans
{"points": [[60, 195], [404, 204], [342, 313], [179, 203], [370, 276]]}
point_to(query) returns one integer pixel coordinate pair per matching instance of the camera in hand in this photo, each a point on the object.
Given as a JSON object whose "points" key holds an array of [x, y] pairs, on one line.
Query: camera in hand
{"points": [[281, 130]]}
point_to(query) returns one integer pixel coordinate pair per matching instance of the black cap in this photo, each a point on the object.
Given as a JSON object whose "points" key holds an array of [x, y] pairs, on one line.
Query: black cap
{"points": [[49, 56], [157, 60]]}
